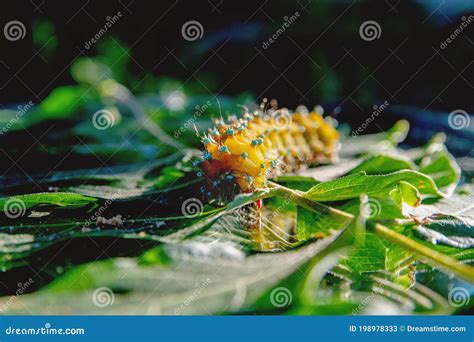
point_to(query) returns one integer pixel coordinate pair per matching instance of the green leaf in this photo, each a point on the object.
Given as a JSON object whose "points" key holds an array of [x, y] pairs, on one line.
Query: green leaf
{"points": [[460, 206], [90, 71], [404, 239], [12, 120], [448, 233], [302, 183], [380, 208], [353, 186], [201, 226], [375, 143], [116, 56], [34, 234], [169, 175], [21, 240], [60, 199], [326, 173], [45, 37], [199, 279], [376, 255], [443, 168], [406, 193], [311, 224], [62, 102], [383, 163], [448, 221]]}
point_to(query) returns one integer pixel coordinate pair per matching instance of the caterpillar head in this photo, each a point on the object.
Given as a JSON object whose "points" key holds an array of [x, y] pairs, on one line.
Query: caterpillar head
{"points": [[250, 150]]}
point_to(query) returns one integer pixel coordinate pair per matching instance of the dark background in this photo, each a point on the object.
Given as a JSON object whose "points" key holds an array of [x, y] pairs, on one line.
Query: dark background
{"points": [[321, 57]]}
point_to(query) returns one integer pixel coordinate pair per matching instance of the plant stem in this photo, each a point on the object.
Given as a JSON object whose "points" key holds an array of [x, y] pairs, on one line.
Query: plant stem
{"points": [[449, 264], [463, 271], [298, 198]]}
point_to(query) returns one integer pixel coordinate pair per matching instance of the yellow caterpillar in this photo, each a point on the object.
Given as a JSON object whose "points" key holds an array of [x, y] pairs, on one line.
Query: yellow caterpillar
{"points": [[251, 149]]}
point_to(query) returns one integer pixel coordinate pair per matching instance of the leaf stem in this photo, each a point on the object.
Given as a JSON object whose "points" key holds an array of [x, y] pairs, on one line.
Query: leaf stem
{"points": [[298, 198], [449, 264], [463, 271]]}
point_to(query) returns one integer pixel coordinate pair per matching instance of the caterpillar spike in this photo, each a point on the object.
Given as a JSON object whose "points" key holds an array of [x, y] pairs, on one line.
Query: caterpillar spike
{"points": [[250, 150]]}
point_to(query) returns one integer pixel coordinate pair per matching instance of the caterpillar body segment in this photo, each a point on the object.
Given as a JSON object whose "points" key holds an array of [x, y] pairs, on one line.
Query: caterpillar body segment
{"points": [[250, 150]]}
